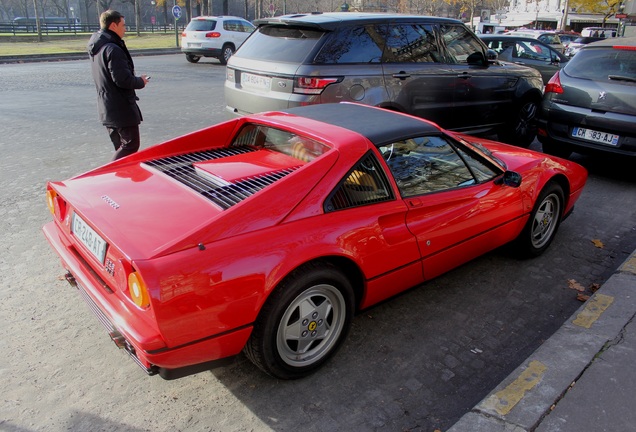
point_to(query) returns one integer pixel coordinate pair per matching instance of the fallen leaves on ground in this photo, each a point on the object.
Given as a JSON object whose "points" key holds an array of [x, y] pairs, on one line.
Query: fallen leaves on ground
{"points": [[575, 285], [581, 295], [599, 244]]}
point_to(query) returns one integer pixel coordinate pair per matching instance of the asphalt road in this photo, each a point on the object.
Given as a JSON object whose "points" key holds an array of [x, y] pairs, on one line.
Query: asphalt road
{"points": [[415, 363]]}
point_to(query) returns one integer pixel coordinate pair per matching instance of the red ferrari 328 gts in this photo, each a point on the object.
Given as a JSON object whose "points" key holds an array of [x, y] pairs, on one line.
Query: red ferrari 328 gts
{"points": [[267, 233]]}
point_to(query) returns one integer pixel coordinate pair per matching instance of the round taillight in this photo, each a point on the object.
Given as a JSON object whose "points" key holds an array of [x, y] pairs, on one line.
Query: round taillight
{"points": [[138, 290]]}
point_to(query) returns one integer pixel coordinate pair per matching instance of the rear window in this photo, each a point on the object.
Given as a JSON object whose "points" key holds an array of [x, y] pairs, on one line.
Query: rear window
{"points": [[280, 44], [601, 64], [201, 25]]}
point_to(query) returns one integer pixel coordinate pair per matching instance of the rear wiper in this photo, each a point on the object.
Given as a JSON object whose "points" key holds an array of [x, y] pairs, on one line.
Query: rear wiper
{"points": [[621, 78]]}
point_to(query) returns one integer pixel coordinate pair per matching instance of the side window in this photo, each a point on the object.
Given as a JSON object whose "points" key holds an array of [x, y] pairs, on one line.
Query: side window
{"points": [[426, 164], [364, 184], [411, 43], [532, 51], [460, 43], [352, 45], [495, 46], [481, 170], [246, 27]]}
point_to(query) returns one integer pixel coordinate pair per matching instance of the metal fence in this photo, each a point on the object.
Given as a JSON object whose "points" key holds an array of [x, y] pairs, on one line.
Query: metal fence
{"points": [[12, 28]]}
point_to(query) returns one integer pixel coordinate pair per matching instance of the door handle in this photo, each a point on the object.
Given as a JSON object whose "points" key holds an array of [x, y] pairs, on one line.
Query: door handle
{"points": [[401, 75], [414, 202]]}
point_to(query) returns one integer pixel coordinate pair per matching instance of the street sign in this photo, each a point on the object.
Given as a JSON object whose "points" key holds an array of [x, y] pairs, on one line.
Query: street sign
{"points": [[621, 16], [176, 12]]}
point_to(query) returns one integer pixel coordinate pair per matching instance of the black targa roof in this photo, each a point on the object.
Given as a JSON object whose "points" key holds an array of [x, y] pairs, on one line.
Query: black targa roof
{"points": [[378, 125]]}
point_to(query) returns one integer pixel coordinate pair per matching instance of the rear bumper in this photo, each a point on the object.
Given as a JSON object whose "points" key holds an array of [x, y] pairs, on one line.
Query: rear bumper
{"points": [[143, 342], [204, 52], [558, 129]]}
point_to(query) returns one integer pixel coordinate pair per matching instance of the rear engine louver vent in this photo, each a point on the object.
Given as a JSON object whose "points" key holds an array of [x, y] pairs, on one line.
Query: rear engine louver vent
{"points": [[223, 194]]}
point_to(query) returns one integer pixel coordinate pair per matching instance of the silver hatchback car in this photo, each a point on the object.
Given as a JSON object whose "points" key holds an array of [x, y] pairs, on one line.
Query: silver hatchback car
{"points": [[590, 104], [431, 67]]}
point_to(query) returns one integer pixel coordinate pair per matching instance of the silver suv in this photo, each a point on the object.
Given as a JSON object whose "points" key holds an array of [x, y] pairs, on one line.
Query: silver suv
{"points": [[214, 36], [426, 66]]}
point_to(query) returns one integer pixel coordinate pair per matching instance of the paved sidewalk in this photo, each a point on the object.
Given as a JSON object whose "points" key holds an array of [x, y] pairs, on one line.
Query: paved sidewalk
{"points": [[581, 379]]}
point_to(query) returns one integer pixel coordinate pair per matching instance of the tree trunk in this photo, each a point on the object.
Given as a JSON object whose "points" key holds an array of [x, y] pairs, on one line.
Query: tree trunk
{"points": [[37, 20], [137, 17]]}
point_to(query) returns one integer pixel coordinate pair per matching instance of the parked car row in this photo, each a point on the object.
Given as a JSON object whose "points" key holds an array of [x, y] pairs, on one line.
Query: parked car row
{"points": [[425, 66], [430, 67]]}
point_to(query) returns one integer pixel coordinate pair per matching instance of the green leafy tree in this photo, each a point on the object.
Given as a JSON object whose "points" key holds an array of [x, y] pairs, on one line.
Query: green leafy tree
{"points": [[606, 7]]}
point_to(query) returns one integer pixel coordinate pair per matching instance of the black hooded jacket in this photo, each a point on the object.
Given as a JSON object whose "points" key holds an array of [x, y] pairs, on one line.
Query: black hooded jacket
{"points": [[114, 74]]}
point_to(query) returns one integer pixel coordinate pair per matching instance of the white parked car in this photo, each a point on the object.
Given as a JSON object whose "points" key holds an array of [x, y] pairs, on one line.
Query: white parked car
{"points": [[214, 36]]}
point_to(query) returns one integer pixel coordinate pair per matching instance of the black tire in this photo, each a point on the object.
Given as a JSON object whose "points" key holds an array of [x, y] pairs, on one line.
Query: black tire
{"points": [[543, 223], [193, 58], [288, 344], [228, 51], [555, 149], [521, 128]]}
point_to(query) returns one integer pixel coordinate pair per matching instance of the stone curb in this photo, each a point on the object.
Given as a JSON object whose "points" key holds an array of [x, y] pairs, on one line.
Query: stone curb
{"points": [[78, 56], [522, 400]]}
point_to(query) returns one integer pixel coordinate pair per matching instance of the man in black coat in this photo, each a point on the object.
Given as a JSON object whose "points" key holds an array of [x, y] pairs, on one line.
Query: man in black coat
{"points": [[114, 75]]}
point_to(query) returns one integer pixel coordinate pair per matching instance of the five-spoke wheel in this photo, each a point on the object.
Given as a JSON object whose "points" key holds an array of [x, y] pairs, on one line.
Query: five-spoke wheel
{"points": [[303, 322], [544, 221]]}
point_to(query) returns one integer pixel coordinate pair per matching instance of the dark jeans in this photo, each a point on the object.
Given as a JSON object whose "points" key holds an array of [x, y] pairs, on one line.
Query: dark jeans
{"points": [[126, 140]]}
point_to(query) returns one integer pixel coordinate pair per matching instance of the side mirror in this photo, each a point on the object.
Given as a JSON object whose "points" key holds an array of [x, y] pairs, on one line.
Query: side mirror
{"points": [[509, 178], [477, 59], [492, 55]]}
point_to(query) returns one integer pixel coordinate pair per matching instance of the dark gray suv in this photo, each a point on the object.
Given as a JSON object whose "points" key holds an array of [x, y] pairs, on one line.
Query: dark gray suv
{"points": [[426, 66]]}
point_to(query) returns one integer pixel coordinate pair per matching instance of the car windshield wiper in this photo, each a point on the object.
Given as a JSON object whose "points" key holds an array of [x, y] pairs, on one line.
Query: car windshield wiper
{"points": [[621, 78]]}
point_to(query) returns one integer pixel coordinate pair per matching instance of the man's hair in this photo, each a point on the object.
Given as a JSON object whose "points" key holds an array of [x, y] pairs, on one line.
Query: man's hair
{"points": [[108, 17]]}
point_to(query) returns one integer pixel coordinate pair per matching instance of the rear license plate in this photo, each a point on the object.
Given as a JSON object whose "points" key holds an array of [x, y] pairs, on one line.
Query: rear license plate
{"points": [[595, 136], [255, 81], [89, 238], [194, 45]]}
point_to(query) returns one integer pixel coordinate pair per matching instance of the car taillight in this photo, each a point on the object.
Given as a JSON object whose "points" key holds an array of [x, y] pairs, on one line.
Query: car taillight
{"points": [[625, 47], [554, 85], [138, 290], [56, 205], [184, 34], [312, 85], [213, 35]]}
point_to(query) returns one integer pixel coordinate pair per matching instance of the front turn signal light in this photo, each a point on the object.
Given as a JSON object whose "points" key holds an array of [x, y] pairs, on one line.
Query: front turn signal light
{"points": [[138, 290]]}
